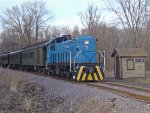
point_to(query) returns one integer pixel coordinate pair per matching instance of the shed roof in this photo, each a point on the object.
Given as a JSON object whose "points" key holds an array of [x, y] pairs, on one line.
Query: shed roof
{"points": [[131, 52]]}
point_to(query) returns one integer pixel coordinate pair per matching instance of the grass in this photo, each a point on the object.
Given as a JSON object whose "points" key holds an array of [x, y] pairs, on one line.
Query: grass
{"points": [[90, 105], [19, 96]]}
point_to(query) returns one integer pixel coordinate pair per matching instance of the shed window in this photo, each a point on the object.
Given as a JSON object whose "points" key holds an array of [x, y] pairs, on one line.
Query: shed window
{"points": [[130, 64]]}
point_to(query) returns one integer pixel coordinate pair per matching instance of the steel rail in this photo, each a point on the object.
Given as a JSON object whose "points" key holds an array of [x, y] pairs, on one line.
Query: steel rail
{"points": [[122, 91]]}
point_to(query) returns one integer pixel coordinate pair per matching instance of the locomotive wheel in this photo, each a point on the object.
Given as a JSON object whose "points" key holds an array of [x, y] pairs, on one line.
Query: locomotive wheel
{"points": [[48, 72], [53, 73], [69, 75]]}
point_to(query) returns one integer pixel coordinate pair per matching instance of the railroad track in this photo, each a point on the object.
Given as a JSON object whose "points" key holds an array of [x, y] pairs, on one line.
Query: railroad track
{"points": [[139, 93]]}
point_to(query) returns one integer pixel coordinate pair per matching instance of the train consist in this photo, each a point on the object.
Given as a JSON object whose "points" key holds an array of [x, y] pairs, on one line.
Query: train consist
{"points": [[72, 58]]}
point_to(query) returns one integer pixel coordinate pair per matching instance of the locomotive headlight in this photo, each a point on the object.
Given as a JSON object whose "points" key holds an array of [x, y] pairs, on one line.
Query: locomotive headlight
{"points": [[86, 41]]}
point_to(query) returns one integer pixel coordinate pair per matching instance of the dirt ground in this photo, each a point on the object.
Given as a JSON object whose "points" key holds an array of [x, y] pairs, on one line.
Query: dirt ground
{"points": [[145, 80], [138, 82], [20, 96], [22, 92]]}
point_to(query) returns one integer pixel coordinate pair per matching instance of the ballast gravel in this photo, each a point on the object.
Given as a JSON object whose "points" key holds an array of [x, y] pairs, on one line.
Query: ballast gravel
{"points": [[80, 98]]}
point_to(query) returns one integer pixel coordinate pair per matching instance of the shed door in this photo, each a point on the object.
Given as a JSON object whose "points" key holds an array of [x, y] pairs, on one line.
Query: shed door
{"points": [[38, 56], [117, 76]]}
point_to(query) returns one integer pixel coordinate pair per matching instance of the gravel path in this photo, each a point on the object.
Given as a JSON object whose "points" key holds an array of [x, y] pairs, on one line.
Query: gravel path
{"points": [[137, 82], [82, 99]]}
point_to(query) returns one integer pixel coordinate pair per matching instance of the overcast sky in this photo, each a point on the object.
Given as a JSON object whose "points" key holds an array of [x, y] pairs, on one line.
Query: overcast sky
{"points": [[65, 11]]}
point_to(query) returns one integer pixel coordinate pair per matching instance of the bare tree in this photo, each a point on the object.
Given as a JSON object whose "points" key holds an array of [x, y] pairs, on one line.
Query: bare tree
{"points": [[27, 21], [54, 31], [8, 41], [47, 32], [13, 21], [65, 30], [132, 14], [40, 15], [75, 31], [90, 18]]}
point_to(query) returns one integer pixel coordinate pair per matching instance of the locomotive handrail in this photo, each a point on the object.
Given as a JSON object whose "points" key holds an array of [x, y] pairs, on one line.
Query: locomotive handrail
{"points": [[104, 58], [70, 60], [75, 59], [46, 65]]}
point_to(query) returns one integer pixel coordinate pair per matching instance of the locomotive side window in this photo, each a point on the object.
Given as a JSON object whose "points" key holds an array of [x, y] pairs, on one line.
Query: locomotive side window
{"points": [[59, 40], [65, 38], [52, 45]]}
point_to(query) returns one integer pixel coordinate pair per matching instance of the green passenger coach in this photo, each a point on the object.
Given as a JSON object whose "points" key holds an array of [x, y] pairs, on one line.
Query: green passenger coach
{"points": [[34, 56]]}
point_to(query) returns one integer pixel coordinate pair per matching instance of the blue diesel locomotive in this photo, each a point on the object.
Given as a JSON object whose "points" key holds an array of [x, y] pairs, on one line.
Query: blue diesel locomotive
{"points": [[75, 58]]}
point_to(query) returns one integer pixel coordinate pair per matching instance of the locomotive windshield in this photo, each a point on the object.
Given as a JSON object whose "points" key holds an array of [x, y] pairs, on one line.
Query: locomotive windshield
{"points": [[66, 37], [63, 38]]}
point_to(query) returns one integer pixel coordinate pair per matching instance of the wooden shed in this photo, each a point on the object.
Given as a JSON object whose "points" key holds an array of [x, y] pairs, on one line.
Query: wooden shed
{"points": [[129, 62]]}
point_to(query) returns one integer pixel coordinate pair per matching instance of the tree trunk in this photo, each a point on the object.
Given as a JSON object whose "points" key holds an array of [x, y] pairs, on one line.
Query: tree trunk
{"points": [[37, 30]]}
